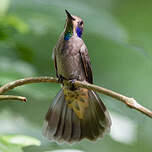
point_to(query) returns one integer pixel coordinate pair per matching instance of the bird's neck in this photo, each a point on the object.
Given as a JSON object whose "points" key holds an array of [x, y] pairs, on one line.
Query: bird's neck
{"points": [[79, 32], [68, 35], [70, 32]]}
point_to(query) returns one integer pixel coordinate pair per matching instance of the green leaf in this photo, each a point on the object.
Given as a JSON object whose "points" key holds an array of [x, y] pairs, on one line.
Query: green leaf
{"points": [[4, 5], [8, 147], [20, 140], [66, 150]]}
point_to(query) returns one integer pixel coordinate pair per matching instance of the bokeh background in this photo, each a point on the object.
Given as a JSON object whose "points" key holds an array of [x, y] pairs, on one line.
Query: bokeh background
{"points": [[118, 35]]}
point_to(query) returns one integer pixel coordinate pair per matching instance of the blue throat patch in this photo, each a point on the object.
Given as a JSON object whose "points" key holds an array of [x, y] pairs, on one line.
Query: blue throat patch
{"points": [[67, 36], [79, 31]]}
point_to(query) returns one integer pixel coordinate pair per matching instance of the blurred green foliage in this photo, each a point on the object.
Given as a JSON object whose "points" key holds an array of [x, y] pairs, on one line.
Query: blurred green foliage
{"points": [[15, 143], [118, 35]]}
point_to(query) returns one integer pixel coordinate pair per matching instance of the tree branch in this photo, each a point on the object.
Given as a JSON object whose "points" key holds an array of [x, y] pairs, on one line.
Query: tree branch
{"points": [[24, 81], [130, 102], [10, 97]]}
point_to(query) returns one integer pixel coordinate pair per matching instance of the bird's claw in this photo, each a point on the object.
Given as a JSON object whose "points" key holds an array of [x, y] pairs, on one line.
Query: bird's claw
{"points": [[72, 86], [60, 79]]}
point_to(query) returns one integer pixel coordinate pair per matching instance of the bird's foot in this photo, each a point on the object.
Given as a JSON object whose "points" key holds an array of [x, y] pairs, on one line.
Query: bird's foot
{"points": [[72, 86], [60, 79]]}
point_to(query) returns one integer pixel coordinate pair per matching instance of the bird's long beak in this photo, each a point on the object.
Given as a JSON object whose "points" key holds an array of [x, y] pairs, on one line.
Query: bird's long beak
{"points": [[69, 15]]}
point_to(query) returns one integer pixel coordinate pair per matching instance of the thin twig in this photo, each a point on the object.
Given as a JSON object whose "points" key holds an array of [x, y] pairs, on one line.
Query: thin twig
{"points": [[14, 84], [10, 97], [130, 102]]}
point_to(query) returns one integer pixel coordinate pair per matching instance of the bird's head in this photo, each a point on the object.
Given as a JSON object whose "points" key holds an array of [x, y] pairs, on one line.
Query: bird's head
{"points": [[73, 25]]}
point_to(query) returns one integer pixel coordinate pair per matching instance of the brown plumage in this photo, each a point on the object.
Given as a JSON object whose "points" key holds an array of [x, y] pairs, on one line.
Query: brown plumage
{"points": [[76, 113]]}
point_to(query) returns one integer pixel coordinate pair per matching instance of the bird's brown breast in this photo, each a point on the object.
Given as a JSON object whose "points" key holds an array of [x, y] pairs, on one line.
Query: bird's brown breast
{"points": [[69, 63]]}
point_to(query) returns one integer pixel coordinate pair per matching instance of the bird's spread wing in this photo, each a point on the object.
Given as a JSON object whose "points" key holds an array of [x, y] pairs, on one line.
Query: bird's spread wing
{"points": [[86, 63]]}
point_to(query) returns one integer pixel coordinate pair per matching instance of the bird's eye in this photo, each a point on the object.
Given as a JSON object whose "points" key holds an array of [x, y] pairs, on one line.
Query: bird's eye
{"points": [[81, 22]]}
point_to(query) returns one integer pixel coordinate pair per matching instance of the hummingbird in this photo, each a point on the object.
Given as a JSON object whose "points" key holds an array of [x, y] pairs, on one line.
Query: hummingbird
{"points": [[76, 113]]}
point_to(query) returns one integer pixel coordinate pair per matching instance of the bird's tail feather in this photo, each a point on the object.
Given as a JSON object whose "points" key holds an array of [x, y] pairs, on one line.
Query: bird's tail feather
{"points": [[63, 125]]}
